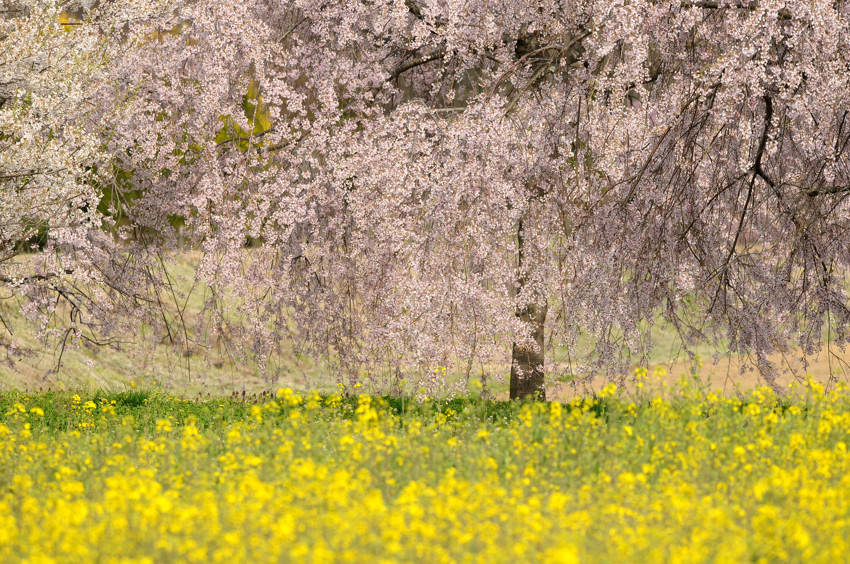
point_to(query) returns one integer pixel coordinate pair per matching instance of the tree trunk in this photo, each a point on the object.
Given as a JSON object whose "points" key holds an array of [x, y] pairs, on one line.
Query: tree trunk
{"points": [[527, 359]]}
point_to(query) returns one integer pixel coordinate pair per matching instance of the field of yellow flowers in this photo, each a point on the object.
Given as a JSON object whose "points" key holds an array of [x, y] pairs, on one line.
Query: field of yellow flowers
{"points": [[144, 477]]}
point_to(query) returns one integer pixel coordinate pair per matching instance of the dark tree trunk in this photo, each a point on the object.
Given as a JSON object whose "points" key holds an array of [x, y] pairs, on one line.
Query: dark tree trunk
{"points": [[527, 359]]}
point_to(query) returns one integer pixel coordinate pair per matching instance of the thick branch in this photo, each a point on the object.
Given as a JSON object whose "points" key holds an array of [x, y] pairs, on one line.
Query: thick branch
{"points": [[415, 62], [825, 191], [768, 116]]}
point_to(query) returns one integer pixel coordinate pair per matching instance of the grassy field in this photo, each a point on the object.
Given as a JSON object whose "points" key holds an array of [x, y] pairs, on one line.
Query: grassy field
{"points": [[162, 366], [216, 372], [144, 477]]}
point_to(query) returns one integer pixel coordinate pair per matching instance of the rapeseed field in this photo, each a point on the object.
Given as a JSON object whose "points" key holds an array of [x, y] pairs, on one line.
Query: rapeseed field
{"points": [[289, 477]]}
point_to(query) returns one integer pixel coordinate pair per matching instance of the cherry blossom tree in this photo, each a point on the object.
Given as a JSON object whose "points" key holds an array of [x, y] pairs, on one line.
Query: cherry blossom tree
{"points": [[436, 182], [83, 284]]}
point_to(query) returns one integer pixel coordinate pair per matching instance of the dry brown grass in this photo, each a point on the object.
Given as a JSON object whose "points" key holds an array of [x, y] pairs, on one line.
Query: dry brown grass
{"points": [[730, 375]]}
